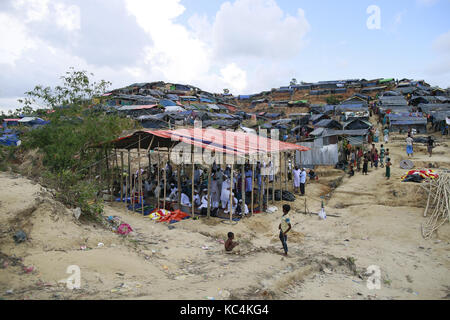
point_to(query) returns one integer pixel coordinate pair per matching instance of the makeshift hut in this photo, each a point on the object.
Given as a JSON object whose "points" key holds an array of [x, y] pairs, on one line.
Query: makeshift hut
{"points": [[183, 148]]}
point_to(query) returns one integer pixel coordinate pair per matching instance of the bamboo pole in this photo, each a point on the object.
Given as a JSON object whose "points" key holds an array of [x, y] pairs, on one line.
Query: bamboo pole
{"points": [[272, 171], [108, 174], [285, 173], [179, 185], [132, 186], [141, 193], [159, 172], [243, 189], [121, 176], [165, 187], [116, 177], [192, 185], [128, 189], [231, 193], [281, 178], [261, 191], [209, 193], [266, 179], [253, 188]]}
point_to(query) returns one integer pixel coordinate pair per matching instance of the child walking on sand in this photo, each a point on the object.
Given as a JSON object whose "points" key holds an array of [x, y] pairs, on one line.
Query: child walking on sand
{"points": [[388, 168]]}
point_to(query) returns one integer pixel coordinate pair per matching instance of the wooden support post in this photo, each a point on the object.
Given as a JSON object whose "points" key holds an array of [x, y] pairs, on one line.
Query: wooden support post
{"points": [[281, 178], [272, 171], [108, 180], [121, 176], [253, 188], [159, 172], [179, 185], [266, 179], [132, 186], [261, 191], [165, 186], [192, 185], [209, 193], [231, 193], [243, 189], [128, 180], [285, 173], [141, 193]]}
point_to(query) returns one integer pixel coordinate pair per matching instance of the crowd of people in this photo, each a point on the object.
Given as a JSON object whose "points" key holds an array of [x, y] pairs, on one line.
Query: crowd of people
{"points": [[228, 191]]}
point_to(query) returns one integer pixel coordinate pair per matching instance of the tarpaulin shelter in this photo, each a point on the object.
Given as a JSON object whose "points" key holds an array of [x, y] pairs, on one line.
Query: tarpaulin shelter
{"points": [[238, 144]]}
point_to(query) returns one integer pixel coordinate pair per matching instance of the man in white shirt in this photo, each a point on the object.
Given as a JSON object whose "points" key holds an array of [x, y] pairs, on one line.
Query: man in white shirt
{"points": [[173, 192], [185, 200], [297, 174], [225, 194], [242, 208], [197, 200], [302, 181]]}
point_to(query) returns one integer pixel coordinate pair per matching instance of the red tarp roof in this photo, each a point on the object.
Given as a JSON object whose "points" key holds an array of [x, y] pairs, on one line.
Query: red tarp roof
{"points": [[212, 139], [11, 119]]}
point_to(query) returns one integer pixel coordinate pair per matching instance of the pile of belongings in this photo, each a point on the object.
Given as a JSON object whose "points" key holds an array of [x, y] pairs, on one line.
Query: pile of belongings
{"points": [[287, 195], [162, 215], [158, 214], [419, 175], [118, 226]]}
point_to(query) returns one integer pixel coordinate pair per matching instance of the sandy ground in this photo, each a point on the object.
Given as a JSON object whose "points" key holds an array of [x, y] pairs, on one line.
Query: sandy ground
{"points": [[379, 224]]}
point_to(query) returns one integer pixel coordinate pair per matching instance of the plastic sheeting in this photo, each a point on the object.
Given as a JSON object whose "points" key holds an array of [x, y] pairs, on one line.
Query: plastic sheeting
{"points": [[318, 155]]}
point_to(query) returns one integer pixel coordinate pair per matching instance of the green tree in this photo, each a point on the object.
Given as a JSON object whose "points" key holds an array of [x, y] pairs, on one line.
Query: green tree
{"points": [[77, 90], [67, 142]]}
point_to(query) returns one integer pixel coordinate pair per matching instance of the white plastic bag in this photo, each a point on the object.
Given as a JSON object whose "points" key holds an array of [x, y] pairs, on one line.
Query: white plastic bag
{"points": [[322, 214]]}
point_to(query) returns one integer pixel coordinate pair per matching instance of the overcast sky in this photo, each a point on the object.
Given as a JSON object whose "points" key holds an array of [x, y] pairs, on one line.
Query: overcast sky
{"points": [[246, 46]]}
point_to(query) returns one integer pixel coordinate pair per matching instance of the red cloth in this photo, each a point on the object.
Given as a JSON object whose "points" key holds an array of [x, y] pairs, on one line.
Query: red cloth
{"points": [[176, 215]]}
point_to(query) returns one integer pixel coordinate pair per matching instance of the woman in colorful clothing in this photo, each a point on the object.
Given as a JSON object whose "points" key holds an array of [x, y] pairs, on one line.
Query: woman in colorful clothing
{"points": [[386, 135], [382, 156]]}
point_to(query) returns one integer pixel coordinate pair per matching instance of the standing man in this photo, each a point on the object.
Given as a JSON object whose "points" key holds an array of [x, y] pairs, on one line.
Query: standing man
{"points": [[409, 146], [372, 154], [285, 227], [297, 174], [430, 143], [302, 181], [359, 155]]}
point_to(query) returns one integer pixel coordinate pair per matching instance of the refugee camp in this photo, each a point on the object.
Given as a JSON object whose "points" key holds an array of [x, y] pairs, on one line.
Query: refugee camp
{"points": [[171, 150]]}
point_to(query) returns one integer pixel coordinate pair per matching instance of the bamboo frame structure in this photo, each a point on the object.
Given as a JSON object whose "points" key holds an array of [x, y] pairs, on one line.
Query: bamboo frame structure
{"points": [[135, 183]]}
